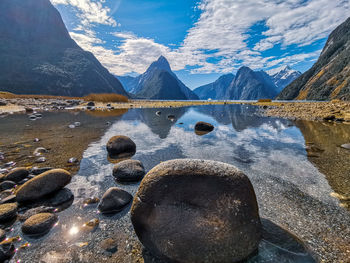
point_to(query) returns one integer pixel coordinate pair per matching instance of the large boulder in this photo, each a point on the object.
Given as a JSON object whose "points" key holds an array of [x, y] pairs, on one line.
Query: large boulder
{"points": [[129, 171], [114, 200], [197, 211], [121, 146], [43, 184], [39, 224]]}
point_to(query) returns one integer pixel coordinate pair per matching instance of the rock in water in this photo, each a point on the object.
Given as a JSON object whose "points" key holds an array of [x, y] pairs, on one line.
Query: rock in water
{"points": [[197, 211], [346, 146], [17, 174], [129, 171], [121, 146], [5, 185], [8, 212], [114, 200], [43, 184], [39, 224], [203, 126]]}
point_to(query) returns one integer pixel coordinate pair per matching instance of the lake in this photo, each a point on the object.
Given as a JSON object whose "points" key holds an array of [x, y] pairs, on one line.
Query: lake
{"points": [[300, 175]]}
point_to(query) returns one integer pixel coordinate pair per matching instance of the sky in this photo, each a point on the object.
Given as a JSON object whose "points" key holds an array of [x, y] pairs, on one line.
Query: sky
{"points": [[202, 39]]}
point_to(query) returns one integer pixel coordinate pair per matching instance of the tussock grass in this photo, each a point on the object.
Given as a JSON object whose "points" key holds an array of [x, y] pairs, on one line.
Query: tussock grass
{"points": [[106, 97]]}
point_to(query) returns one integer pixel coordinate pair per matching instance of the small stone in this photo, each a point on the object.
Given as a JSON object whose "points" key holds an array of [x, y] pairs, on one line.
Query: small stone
{"points": [[110, 245], [91, 104], [32, 117], [43, 184], [77, 124], [73, 160], [203, 126], [39, 224], [114, 200], [17, 174], [5, 185], [36, 140], [7, 250], [36, 210], [121, 146], [38, 115], [9, 199], [40, 160], [90, 201], [71, 126], [29, 110], [8, 212], [171, 117], [37, 170], [346, 146], [158, 113], [39, 151], [129, 171]]}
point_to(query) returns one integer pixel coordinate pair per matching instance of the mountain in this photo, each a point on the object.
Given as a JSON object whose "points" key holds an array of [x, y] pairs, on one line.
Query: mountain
{"points": [[215, 90], [251, 85], [158, 82], [39, 57], [329, 77], [283, 76]]}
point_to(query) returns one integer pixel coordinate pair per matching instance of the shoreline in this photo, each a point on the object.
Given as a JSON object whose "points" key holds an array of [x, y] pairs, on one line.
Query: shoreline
{"points": [[335, 110]]}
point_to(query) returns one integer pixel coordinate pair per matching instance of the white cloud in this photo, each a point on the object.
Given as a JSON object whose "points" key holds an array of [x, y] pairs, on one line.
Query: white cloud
{"points": [[223, 28]]}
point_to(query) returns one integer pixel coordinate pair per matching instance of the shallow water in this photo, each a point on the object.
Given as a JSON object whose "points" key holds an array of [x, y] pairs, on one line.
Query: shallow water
{"points": [[291, 187]]}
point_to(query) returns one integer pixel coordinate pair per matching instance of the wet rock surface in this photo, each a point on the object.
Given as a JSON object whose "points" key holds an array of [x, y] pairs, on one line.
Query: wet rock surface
{"points": [[203, 126], [206, 210], [114, 200], [121, 146], [129, 171], [8, 212], [43, 184], [39, 224], [17, 175]]}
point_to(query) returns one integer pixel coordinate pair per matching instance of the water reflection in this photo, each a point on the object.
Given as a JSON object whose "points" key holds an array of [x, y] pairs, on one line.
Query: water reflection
{"points": [[291, 191]]}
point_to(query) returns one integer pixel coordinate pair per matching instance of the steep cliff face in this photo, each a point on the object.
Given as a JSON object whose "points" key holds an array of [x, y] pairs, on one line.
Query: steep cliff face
{"points": [[39, 57], [329, 78], [251, 85], [215, 90]]}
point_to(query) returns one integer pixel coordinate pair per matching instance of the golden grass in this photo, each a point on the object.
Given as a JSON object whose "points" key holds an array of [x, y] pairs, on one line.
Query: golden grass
{"points": [[264, 100], [106, 97]]}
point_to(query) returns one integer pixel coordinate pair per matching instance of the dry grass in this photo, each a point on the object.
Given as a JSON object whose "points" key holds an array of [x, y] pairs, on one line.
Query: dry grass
{"points": [[106, 97], [264, 100]]}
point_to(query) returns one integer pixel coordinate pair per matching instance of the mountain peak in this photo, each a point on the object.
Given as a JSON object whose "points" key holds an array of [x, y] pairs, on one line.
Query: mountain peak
{"points": [[161, 63]]}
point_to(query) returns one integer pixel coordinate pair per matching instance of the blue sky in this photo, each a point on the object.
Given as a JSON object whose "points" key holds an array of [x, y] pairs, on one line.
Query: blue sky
{"points": [[202, 39]]}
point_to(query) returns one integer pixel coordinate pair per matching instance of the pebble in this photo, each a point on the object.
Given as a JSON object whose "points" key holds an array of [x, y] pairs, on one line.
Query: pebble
{"points": [[40, 160], [39, 224], [8, 212]]}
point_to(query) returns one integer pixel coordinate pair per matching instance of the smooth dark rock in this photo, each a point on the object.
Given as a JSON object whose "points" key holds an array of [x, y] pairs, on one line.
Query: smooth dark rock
{"points": [[8, 199], [17, 174], [197, 211], [8, 212], [62, 196], [2, 234], [39, 224], [121, 146], [6, 185], [36, 210], [7, 250], [203, 126], [129, 171], [3, 103], [114, 200], [5, 194], [43, 184], [37, 170], [91, 104]]}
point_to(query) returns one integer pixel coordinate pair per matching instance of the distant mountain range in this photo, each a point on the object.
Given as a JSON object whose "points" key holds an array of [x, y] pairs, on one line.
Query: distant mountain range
{"points": [[329, 78], [39, 57], [248, 84], [158, 82]]}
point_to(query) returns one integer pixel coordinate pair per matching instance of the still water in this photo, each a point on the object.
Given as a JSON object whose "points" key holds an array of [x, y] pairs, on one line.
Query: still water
{"points": [[296, 190]]}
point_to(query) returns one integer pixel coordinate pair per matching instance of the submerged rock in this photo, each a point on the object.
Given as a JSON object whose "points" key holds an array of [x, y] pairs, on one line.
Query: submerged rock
{"points": [[121, 146], [346, 146], [206, 211], [203, 126], [17, 174], [114, 200], [39, 151], [8, 212], [39, 224], [36, 210], [6, 185], [7, 250], [129, 171], [43, 184], [37, 170], [110, 245]]}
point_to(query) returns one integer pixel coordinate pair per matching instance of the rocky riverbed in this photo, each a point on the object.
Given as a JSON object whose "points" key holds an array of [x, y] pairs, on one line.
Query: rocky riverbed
{"points": [[292, 194]]}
